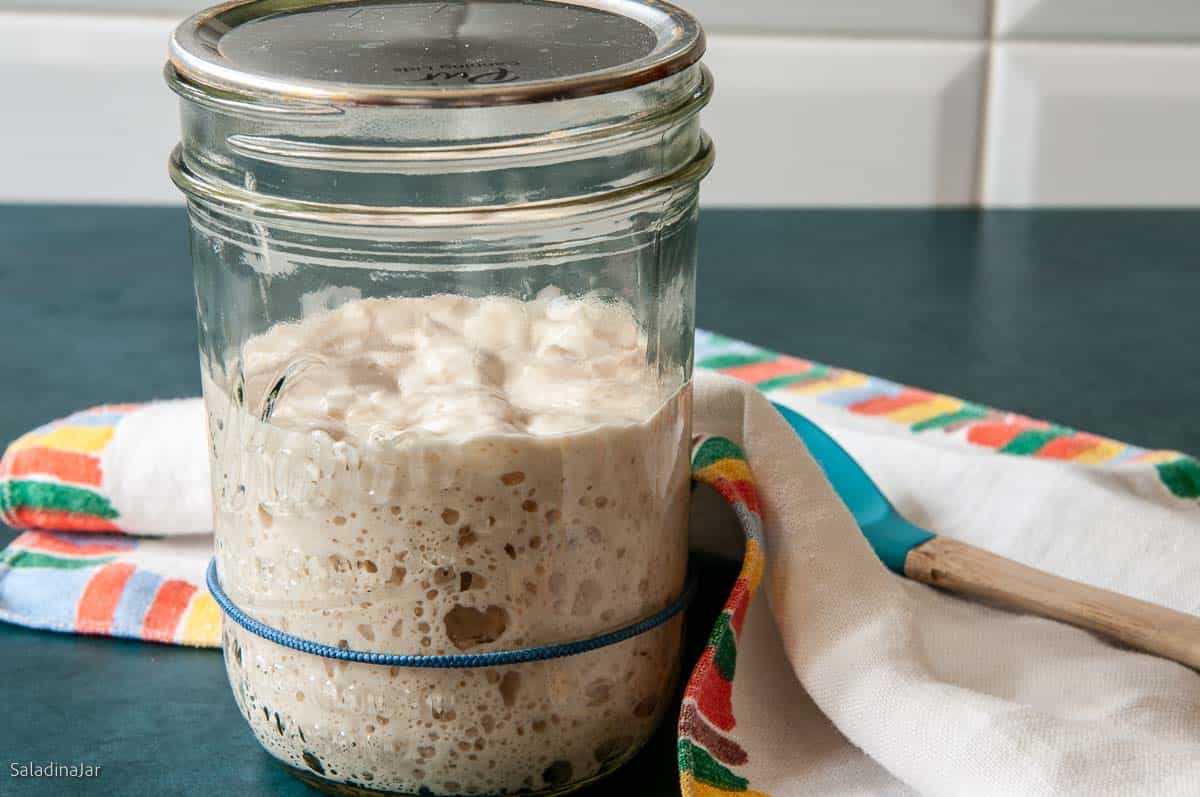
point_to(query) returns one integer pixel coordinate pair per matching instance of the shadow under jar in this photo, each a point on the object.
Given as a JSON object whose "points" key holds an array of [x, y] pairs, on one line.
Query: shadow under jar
{"points": [[445, 272]]}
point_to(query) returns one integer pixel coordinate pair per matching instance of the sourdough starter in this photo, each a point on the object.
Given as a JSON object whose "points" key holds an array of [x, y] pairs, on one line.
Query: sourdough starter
{"points": [[448, 475]]}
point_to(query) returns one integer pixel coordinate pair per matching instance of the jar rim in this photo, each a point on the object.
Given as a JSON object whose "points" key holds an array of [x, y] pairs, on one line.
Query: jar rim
{"points": [[198, 56]]}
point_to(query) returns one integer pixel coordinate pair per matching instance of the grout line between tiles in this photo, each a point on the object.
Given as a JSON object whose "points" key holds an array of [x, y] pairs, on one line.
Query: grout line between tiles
{"points": [[111, 15], [983, 137]]}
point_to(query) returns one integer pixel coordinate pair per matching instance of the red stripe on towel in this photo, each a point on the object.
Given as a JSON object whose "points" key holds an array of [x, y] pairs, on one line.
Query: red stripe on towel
{"points": [[94, 612], [24, 517], [761, 372], [169, 605], [1068, 447], [48, 543], [67, 466], [882, 405], [1001, 433], [737, 490]]}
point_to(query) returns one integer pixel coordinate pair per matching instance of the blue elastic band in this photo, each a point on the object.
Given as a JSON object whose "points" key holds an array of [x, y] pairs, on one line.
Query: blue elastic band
{"points": [[453, 661]]}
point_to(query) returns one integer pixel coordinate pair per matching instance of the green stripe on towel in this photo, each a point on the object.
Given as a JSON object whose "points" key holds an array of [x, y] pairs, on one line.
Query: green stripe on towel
{"points": [[18, 558], [719, 361], [58, 497]]}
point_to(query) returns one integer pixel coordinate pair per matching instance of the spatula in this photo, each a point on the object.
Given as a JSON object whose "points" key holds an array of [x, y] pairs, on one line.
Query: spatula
{"points": [[964, 569]]}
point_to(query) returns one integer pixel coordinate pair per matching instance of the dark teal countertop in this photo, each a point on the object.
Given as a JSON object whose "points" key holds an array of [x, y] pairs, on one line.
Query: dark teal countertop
{"points": [[1085, 318]]}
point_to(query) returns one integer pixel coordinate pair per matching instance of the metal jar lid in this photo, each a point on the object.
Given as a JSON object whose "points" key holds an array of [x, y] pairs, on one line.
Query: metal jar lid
{"points": [[401, 112], [432, 53]]}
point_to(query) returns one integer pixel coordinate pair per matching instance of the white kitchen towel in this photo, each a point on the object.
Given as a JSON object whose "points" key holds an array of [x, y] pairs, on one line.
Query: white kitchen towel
{"points": [[849, 679], [852, 680]]}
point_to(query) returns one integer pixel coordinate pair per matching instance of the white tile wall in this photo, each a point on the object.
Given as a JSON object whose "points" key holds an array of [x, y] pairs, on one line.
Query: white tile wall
{"points": [[966, 18], [87, 115], [902, 17], [152, 7], [843, 122], [1098, 19], [819, 102], [1093, 125]]}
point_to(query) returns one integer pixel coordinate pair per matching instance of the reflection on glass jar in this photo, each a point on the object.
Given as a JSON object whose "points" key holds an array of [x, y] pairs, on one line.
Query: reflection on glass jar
{"points": [[446, 345]]}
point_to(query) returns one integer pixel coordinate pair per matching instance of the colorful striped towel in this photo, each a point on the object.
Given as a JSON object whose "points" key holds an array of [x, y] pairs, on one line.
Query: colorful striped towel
{"points": [[123, 468], [117, 468], [141, 588], [852, 680]]}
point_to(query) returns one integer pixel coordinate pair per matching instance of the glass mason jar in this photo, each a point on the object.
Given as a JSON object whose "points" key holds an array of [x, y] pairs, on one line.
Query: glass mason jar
{"points": [[445, 263]]}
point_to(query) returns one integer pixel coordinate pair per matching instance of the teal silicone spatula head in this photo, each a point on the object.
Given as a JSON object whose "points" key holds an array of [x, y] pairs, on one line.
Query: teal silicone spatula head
{"points": [[890, 535]]}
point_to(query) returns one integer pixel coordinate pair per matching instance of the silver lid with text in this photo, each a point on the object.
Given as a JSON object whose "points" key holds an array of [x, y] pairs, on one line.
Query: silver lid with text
{"points": [[432, 53]]}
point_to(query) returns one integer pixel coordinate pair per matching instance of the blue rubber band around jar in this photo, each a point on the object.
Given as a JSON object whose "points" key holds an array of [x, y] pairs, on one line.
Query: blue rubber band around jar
{"points": [[447, 661]]}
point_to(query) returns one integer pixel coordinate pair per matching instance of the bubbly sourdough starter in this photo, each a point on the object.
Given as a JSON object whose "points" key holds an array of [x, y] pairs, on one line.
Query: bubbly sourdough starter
{"points": [[447, 475]]}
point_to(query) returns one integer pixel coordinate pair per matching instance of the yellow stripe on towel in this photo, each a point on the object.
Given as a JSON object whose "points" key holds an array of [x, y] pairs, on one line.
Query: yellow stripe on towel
{"points": [[1101, 452], [84, 439], [1157, 457], [733, 469], [843, 379], [752, 565], [202, 625], [923, 411], [694, 788]]}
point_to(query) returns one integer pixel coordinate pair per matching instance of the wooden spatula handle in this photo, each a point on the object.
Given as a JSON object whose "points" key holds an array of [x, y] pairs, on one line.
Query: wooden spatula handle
{"points": [[967, 570]]}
